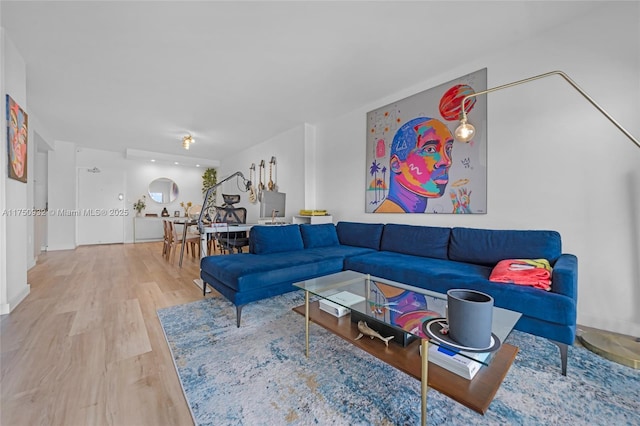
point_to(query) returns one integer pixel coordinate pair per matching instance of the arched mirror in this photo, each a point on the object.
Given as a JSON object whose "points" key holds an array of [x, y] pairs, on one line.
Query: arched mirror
{"points": [[163, 191]]}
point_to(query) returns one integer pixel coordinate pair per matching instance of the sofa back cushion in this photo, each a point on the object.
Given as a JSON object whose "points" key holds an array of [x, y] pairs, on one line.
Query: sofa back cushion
{"points": [[424, 241], [360, 234], [275, 239], [321, 235], [488, 247]]}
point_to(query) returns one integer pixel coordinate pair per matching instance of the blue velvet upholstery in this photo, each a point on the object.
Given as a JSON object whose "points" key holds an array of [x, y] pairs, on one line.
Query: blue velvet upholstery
{"points": [[424, 241], [321, 235], [442, 275], [360, 234], [433, 258], [275, 239], [246, 271], [488, 247]]}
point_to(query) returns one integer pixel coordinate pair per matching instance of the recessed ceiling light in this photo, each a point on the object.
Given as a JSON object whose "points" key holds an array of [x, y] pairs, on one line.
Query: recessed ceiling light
{"points": [[153, 160], [176, 163], [197, 165]]}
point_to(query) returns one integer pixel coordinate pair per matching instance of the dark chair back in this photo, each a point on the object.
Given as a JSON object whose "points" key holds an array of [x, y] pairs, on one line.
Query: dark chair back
{"points": [[230, 214], [232, 240]]}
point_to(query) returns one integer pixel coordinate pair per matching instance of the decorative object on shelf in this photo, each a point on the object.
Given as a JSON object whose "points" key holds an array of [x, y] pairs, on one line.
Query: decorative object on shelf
{"points": [[438, 330], [271, 186], [412, 163], [187, 141], [261, 187], [140, 205], [176, 213], [164, 212], [253, 197], [186, 206], [17, 133], [313, 212], [366, 331]]}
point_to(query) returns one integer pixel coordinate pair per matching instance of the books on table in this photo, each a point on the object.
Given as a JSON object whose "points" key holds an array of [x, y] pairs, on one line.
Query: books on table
{"points": [[337, 304], [333, 308], [453, 361]]}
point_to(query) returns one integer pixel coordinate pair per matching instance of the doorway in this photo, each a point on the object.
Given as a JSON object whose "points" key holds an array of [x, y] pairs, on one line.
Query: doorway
{"points": [[101, 206]]}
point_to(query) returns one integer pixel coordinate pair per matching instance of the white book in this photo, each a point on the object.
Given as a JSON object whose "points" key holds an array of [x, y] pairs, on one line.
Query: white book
{"points": [[346, 298], [456, 363], [333, 308]]}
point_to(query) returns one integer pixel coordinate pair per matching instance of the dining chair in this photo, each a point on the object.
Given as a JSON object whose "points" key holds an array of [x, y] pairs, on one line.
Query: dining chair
{"points": [[166, 244]]}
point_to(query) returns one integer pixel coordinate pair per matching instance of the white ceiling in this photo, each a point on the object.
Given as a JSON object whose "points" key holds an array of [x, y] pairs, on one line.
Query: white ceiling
{"points": [[139, 75]]}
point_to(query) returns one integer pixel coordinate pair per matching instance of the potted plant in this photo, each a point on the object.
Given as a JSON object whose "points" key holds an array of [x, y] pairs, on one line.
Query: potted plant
{"points": [[140, 205], [209, 179], [186, 206]]}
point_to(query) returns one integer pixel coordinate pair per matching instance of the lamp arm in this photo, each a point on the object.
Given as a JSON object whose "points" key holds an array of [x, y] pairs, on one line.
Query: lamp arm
{"points": [[206, 204], [537, 77]]}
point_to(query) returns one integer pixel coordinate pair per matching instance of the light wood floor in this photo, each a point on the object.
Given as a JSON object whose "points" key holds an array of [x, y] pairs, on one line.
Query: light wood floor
{"points": [[86, 347]]}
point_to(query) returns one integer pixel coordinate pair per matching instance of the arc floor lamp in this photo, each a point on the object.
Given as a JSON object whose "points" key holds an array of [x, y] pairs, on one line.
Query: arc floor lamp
{"points": [[621, 349]]}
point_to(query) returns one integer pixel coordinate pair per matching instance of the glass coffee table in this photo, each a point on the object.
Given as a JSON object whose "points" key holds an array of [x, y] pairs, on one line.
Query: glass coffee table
{"points": [[400, 310]]}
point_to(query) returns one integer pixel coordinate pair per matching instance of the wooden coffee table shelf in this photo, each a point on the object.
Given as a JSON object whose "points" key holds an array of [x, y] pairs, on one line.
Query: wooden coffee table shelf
{"points": [[475, 394]]}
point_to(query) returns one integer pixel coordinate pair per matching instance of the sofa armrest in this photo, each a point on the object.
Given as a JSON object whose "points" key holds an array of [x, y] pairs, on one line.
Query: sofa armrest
{"points": [[564, 278]]}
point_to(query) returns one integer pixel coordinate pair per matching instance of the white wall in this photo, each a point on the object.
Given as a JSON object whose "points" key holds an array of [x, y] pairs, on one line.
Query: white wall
{"points": [[289, 150], [63, 186], [14, 237], [570, 170], [67, 158]]}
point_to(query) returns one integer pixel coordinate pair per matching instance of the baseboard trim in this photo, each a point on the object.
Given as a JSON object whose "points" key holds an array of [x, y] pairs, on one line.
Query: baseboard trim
{"points": [[13, 303]]}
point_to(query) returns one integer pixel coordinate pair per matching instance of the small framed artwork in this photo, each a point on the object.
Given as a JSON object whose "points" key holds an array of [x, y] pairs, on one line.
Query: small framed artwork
{"points": [[176, 213], [17, 133]]}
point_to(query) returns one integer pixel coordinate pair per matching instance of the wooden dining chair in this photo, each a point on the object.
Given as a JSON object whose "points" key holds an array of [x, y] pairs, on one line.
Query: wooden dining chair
{"points": [[192, 240], [174, 241], [166, 244]]}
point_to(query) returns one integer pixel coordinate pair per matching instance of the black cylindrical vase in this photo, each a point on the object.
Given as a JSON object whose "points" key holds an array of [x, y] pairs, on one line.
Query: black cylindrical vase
{"points": [[469, 314]]}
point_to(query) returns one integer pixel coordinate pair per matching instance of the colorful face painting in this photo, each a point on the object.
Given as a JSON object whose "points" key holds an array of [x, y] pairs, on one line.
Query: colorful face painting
{"points": [[419, 164], [426, 167], [17, 133], [413, 163]]}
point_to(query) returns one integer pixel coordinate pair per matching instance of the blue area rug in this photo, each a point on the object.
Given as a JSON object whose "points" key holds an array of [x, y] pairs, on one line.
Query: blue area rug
{"points": [[258, 375]]}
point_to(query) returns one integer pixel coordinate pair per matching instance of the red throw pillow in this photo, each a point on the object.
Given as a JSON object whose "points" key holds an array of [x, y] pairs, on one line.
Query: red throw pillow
{"points": [[532, 272]]}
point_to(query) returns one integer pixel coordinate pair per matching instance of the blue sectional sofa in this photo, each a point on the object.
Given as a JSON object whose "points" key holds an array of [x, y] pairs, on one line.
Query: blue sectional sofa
{"points": [[434, 258]]}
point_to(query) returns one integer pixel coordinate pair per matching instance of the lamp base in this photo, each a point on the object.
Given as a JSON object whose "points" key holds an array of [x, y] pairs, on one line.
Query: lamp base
{"points": [[624, 350]]}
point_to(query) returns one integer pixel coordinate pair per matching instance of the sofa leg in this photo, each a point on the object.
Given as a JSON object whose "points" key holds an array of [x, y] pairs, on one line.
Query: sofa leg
{"points": [[564, 349], [238, 314], [204, 288]]}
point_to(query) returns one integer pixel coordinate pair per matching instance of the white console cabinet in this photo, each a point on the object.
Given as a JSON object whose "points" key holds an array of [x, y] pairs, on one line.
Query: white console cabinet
{"points": [[147, 229], [314, 220]]}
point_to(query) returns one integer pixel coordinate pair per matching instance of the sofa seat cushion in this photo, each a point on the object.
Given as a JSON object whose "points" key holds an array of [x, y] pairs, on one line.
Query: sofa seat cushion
{"points": [[246, 271], [441, 275], [488, 247]]}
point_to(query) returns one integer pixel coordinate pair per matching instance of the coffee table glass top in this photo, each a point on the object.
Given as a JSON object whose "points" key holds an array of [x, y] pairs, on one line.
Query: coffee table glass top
{"points": [[398, 305]]}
